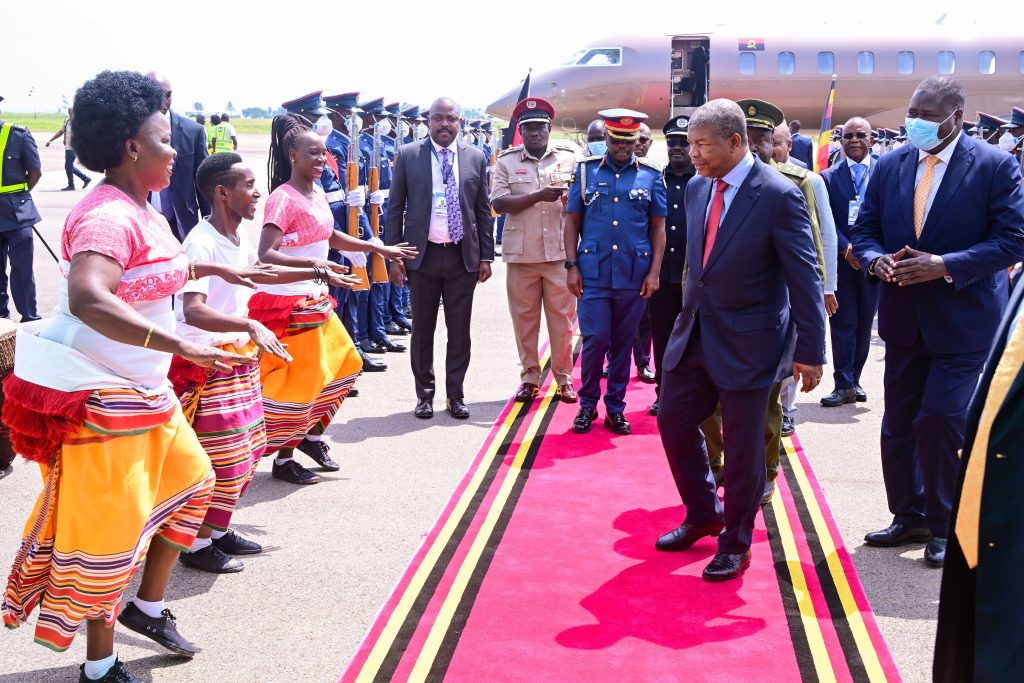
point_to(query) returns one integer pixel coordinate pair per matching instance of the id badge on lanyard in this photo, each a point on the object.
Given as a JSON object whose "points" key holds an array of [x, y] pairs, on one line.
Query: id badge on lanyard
{"points": [[440, 204], [854, 211]]}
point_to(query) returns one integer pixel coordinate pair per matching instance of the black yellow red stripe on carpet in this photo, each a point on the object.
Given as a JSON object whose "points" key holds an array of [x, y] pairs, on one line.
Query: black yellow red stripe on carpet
{"points": [[542, 568]]}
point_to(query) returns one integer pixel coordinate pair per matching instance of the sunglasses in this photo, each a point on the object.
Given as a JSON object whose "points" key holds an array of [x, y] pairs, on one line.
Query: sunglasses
{"points": [[860, 135], [677, 142]]}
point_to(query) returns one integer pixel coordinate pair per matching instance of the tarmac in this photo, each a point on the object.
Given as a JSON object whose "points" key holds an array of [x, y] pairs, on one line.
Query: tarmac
{"points": [[335, 550]]}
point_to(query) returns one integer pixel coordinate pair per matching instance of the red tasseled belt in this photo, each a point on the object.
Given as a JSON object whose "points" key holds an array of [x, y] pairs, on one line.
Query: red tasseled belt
{"points": [[40, 419]]}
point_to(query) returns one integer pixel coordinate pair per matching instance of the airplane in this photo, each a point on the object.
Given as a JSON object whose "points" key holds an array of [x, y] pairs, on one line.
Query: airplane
{"points": [[877, 68]]}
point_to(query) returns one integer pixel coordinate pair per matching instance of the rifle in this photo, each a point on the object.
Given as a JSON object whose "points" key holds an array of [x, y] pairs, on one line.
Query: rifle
{"points": [[378, 267], [352, 173]]}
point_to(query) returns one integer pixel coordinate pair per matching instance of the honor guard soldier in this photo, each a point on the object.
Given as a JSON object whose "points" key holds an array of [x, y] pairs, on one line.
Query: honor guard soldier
{"points": [[614, 240], [1012, 132], [988, 127], [393, 312], [529, 183], [20, 170]]}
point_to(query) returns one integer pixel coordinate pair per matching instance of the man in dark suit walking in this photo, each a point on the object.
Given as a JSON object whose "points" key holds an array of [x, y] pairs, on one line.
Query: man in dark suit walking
{"points": [[981, 609], [439, 202], [752, 307], [943, 218], [181, 202], [803, 148]]}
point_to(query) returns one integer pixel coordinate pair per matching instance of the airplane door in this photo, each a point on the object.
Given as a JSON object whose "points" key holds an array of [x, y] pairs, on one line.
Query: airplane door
{"points": [[690, 69]]}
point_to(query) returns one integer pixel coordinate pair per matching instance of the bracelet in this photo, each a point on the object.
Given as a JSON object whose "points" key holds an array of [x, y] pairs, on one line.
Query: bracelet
{"points": [[149, 336], [192, 271]]}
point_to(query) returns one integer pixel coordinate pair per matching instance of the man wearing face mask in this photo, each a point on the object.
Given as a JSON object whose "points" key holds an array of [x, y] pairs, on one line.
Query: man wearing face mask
{"points": [[988, 127], [596, 145], [942, 219], [1013, 133]]}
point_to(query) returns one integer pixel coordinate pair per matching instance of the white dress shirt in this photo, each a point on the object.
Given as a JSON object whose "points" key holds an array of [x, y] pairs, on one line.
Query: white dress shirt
{"points": [[438, 231], [734, 178], [939, 171]]}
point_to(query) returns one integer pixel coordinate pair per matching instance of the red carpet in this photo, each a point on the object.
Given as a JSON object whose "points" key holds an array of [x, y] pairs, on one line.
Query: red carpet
{"points": [[542, 568]]}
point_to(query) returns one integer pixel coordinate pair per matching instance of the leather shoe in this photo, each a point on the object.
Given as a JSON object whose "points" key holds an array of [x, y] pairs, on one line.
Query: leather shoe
{"points": [[655, 407], [162, 629], [726, 566], [862, 395], [567, 394], [233, 544], [294, 473], [897, 534], [424, 409], [645, 374], [211, 560], [839, 397], [935, 552], [527, 392], [396, 330], [584, 418], [352, 393], [404, 324], [372, 347], [618, 423], [686, 534], [769, 492], [457, 409], [390, 346], [788, 425], [372, 365]]}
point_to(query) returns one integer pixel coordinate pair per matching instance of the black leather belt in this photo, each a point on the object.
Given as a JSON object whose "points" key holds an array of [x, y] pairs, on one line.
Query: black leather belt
{"points": [[443, 245]]}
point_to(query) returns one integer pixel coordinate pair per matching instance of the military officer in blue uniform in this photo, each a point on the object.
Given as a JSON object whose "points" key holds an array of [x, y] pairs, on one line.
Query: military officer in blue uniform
{"points": [[614, 242], [20, 170]]}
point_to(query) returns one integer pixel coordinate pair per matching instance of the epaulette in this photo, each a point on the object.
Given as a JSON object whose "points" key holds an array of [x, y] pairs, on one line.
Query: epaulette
{"points": [[649, 164], [596, 157], [792, 170], [565, 147], [515, 148]]}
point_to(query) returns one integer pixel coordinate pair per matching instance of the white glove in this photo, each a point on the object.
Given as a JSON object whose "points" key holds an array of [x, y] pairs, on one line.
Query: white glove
{"points": [[376, 241], [379, 197], [356, 258], [356, 197]]}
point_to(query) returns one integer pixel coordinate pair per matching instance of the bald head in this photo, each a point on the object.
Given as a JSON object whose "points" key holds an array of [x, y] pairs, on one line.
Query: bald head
{"points": [[444, 120], [856, 139], [595, 131], [166, 85], [643, 145], [782, 143]]}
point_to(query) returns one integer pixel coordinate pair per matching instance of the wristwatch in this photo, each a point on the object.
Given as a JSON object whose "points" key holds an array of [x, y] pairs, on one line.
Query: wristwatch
{"points": [[569, 265]]}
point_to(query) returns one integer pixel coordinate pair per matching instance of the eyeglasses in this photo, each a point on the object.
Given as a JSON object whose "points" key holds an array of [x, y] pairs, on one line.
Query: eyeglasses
{"points": [[860, 135], [643, 141], [677, 142]]}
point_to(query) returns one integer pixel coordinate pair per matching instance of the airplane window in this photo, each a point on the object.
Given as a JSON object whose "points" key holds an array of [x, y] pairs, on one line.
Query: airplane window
{"points": [[601, 56], [1020, 62], [574, 57], [986, 62], [746, 63], [826, 63], [865, 63], [905, 62], [947, 62], [787, 63]]}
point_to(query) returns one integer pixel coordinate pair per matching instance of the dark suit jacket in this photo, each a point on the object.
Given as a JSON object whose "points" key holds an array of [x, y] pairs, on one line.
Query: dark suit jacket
{"points": [[976, 223], [981, 611], [410, 202], [188, 139], [803, 149], [760, 287], [839, 182]]}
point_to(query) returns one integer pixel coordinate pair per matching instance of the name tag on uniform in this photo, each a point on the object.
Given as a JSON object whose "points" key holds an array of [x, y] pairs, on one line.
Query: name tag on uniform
{"points": [[440, 204], [854, 211], [521, 171]]}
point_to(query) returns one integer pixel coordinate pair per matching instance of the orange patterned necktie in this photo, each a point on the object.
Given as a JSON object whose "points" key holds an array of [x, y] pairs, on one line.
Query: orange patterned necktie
{"points": [[921, 193], [968, 516]]}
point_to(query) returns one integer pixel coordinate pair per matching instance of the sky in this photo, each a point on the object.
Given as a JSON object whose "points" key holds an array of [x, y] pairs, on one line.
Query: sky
{"points": [[263, 53]]}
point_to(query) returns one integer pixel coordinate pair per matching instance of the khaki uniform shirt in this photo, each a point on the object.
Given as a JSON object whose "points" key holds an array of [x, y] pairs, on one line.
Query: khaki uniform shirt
{"points": [[533, 235], [799, 177]]}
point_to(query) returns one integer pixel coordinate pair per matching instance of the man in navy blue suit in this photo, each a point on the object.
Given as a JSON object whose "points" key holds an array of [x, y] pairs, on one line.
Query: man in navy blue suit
{"points": [[752, 284], [942, 219], [803, 148], [181, 202], [851, 324]]}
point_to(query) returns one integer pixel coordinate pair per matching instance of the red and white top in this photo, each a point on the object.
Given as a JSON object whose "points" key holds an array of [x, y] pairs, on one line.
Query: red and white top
{"points": [[307, 225]]}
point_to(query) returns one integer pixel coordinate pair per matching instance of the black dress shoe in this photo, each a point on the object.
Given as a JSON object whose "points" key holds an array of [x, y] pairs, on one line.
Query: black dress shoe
{"points": [[839, 397], [393, 329], [69, 188], [897, 534], [457, 409], [645, 374], [116, 674], [212, 560], [321, 454], [390, 346], [655, 407], [424, 409], [372, 347], [162, 629], [788, 425], [233, 544], [861, 395], [726, 566], [352, 393], [294, 473], [527, 392], [372, 365], [769, 492], [584, 418], [686, 534], [618, 423], [404, 324], [935, 552]]}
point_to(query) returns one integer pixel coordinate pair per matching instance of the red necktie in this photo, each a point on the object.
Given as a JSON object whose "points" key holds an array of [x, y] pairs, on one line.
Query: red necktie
{"points": [[714, 218]]}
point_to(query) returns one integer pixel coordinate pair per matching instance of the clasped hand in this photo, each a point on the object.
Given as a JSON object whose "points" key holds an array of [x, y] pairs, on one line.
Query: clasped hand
{"points": [[910, 267]]}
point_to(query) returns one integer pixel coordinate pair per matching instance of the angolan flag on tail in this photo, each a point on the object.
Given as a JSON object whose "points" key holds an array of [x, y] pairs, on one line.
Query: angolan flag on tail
{"points": [[510, 136], [821, 162]]}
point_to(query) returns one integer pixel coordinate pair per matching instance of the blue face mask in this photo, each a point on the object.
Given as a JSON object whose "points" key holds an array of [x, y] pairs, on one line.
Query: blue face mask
{"points": [[925, 134], [597, 148]]}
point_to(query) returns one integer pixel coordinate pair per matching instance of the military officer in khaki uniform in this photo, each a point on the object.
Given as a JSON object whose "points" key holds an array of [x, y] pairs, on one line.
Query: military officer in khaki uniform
{"points": [[530, 181]]}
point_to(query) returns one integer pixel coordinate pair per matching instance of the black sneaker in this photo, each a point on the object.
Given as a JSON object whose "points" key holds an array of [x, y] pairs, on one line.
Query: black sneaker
{"points": [[320, 452], [162, 629], [116, 674], [233, 544], [212, 560], [294, 473]]}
